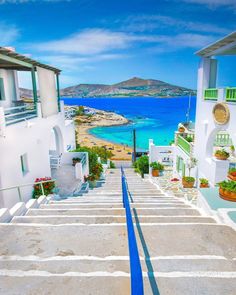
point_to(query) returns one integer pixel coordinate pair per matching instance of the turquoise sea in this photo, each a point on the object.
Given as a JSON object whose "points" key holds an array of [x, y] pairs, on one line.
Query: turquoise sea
{"points": [[155, 118]]}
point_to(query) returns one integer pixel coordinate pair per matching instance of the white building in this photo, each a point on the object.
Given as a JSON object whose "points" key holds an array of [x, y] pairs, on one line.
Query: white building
{"points": [[215, 125], [31, 131]]}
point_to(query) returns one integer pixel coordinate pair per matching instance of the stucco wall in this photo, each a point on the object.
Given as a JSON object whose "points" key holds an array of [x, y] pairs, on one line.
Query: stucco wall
{"points": [[33, 139]]}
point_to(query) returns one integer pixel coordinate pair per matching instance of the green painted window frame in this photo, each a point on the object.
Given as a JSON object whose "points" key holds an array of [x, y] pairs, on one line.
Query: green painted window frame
{"points": [[211, 94], [231, 94], [2, 90], [24, 164]]}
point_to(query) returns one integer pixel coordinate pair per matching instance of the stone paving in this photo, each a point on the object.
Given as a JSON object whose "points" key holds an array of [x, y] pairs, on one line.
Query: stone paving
{"points": [[79, 245]]}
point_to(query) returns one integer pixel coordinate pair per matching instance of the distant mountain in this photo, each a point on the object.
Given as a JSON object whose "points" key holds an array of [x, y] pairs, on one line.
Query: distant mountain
{"points": [[132, 87]]}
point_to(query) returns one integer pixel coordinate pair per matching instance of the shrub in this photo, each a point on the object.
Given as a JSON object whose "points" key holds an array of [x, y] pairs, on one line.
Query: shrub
{"points": [[142, 165], [79, 111], [97, 170], [157, 166], [102, 152], [112, 165], [48, 187]]}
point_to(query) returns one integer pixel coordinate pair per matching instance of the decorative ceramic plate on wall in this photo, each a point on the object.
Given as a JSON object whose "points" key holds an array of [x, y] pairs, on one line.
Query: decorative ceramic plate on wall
{"points": [[221, 113]]}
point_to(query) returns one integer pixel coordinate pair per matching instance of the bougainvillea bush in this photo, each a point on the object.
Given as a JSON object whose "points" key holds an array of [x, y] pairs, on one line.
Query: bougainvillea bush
{"points": [[48, 187]]}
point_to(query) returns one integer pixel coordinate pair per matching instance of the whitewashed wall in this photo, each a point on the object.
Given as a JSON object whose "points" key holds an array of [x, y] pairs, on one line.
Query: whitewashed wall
{"points": [[33, 139], [10, 87], [206, 129], [47, 91]]}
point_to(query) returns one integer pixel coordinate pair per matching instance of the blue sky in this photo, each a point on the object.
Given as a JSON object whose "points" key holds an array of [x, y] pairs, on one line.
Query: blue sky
{"points": [[107, 41]]}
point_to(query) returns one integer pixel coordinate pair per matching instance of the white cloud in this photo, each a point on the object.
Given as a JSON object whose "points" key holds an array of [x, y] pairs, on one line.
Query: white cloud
{"points": [[25, 1], [213, 3], [8, 34], [181, 41], [73, 62], [88, 42], [149, 23]]}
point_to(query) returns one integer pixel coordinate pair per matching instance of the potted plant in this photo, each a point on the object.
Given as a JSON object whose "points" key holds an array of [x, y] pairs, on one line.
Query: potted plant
{"points": [[46, 188], [156, 168], [188, 181], [232, 174], [227, 190], [181, 129], [204, 183], [221, 154], [75, 161]]}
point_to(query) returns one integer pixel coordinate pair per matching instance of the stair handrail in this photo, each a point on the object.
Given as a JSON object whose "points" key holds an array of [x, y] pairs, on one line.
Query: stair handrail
{"points": [[18, 187], [136, 275]]}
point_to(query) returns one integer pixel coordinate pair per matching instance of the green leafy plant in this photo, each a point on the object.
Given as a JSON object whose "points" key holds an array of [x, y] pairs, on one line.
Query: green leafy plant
{"points": [[112, 165], [229, 185], [157, 166], [232, 148], [79, 111], [188, 179], [204, 181], [97, 170], [222, 153], [189, 139], [142, 165]]}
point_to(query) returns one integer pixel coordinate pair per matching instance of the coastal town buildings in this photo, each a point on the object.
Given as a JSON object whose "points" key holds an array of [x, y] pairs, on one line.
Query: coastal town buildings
{"points": [[215, 124], [34, 135]]}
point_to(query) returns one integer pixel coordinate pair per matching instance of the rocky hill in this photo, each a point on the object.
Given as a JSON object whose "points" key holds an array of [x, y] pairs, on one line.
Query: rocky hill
{"points": [[132, 87]]}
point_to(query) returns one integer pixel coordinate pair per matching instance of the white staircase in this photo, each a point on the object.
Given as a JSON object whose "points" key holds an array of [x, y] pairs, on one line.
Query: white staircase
{"points": [[79, 245]]}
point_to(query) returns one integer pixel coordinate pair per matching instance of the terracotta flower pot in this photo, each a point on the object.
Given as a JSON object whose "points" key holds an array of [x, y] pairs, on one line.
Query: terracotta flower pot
{"points": [[155, 173], [204, 185], [220, 157], [181, 129], [232, 177], [187, 184], [227, 195]]}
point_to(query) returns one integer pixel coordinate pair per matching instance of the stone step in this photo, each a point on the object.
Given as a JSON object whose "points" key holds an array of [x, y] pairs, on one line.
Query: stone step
{"points": [[113, 211], [61, 265], [190, 284], [187, 239], [84, 212], [63, 240], [29, 283], [113, 206], [55, 219], [95, 203], [99, 284]]}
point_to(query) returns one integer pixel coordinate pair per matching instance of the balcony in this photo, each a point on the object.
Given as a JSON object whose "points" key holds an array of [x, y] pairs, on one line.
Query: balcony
{"points": [[184, 144], [20, 113], [220, 94]]}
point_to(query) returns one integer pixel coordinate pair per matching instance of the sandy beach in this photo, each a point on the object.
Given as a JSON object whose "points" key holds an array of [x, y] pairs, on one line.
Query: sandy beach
{"points": [[101, 118]]}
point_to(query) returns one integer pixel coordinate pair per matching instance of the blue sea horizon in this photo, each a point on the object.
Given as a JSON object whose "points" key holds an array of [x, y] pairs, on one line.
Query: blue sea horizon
{"points": [[153, 118]]}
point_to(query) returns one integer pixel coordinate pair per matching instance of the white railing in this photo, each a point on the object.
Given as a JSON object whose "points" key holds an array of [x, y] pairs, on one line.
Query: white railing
{"points": [[18, 187], [20, 113]]}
